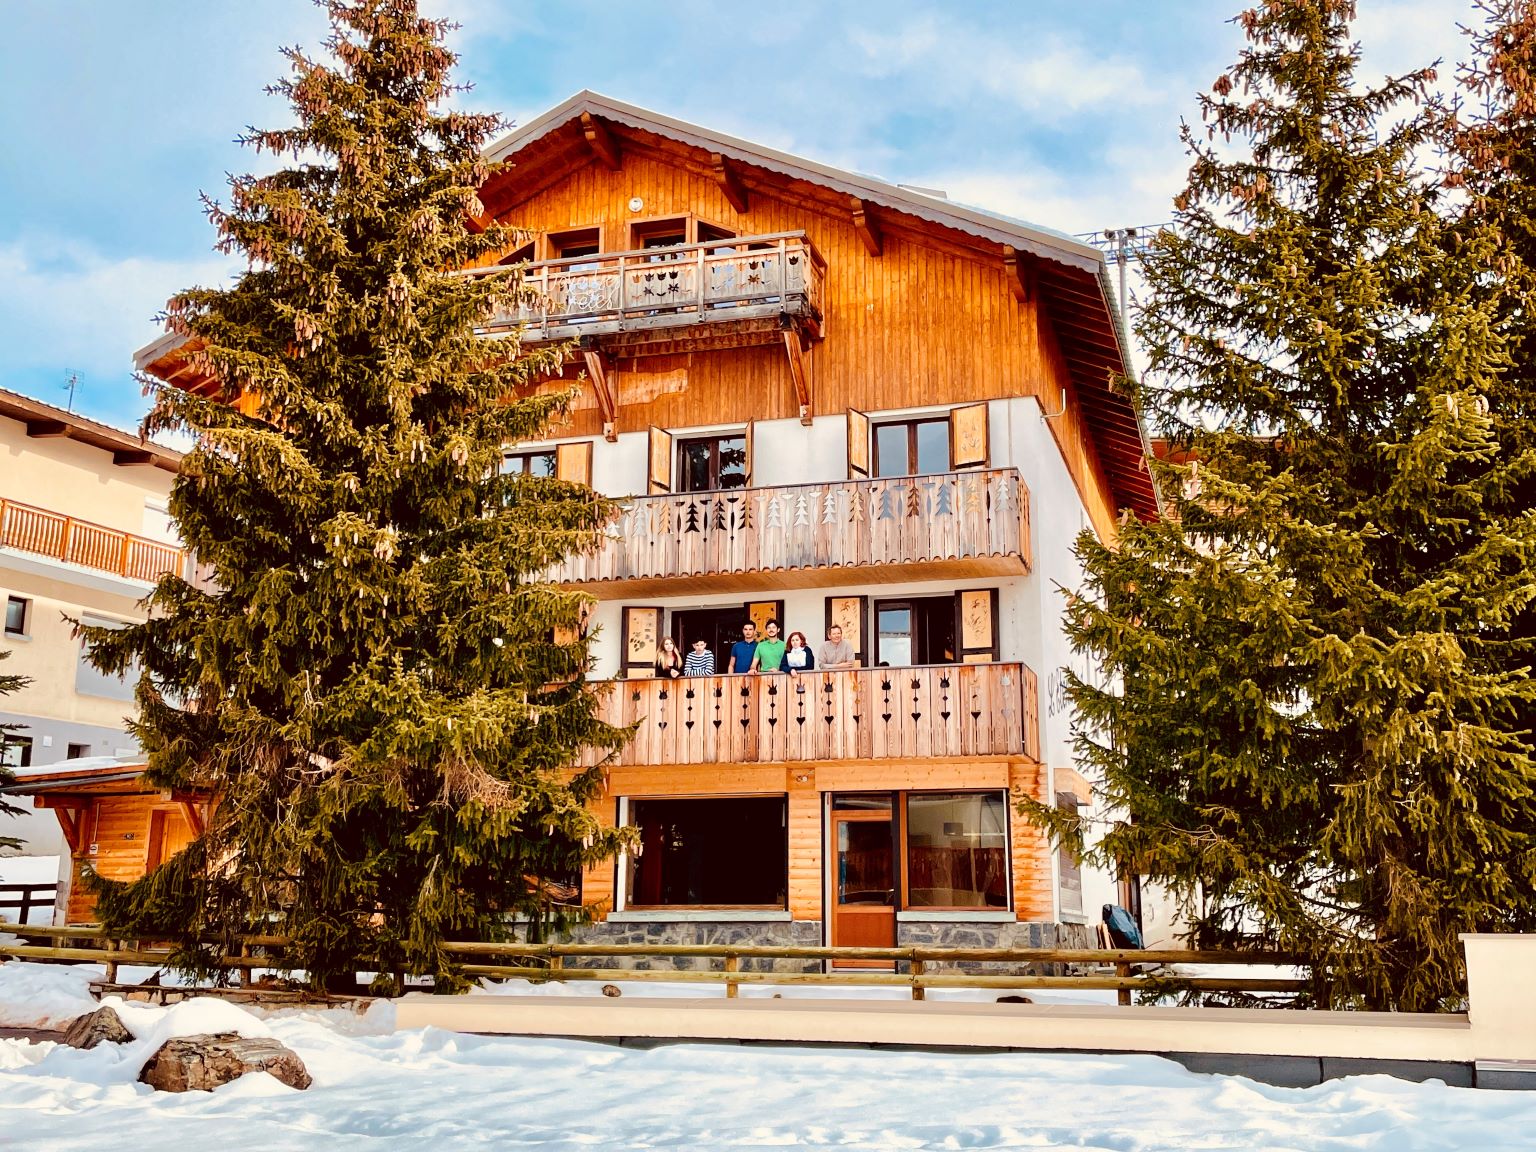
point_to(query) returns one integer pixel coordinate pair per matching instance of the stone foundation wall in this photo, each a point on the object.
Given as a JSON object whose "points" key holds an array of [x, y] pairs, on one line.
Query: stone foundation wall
{"points": [[1013, 934]]}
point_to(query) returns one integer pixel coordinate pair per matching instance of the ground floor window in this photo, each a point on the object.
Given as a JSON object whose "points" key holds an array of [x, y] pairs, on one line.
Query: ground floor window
{"points": [[730, 852]]}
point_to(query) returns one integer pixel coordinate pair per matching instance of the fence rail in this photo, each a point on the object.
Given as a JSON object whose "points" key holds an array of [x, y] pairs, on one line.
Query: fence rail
{"points": [[30, 529], [25, 897], [546, 962]]}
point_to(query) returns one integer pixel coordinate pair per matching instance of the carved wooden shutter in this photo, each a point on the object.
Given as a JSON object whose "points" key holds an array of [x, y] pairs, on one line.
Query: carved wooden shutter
{"points": [[762, 611], [1069, 871], [747, 465], [851, 614], [858, 445], [968, 447], [641, 636], [660, 469], [573, 462], [976, 610]]}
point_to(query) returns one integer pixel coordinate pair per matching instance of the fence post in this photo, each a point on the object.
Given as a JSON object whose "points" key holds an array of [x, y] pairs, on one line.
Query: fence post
{"points": [[732, 964], [111, 964], [918, 992], [1123, 995]]}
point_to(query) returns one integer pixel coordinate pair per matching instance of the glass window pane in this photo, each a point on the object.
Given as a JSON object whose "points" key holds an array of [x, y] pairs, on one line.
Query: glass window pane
{"points": [[957, 850], [733, 462], [541, 464], [15, 615], [864, 871], [695, 461], [861, 801], [933, 446], [895, 637], [715, 853], [891, 450]]}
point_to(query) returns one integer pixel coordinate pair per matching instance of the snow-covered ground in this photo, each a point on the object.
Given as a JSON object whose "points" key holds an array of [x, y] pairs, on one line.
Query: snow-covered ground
{"points": [[376, 1089]]}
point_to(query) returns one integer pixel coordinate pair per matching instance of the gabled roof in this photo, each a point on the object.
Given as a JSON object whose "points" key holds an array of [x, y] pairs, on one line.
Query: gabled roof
{"points": [[45, 421], [67, 775], [1074, 278]]}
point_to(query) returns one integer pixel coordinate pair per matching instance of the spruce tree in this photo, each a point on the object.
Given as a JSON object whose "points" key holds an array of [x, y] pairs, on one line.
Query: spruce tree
{"points": [[9, 682], [371, 686], [1310, 725]]}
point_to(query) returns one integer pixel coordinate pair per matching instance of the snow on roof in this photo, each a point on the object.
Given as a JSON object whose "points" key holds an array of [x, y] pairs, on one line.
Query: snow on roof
{"points": [[78, 764]]}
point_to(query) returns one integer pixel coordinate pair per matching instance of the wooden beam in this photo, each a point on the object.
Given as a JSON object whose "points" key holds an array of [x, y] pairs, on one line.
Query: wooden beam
{"points": [[126, 458], [47, 429], [193, 814], [1022, 277], [730, 183], [865, 224], [794, 344], [70, 812], [601, 141], [603, 386]]}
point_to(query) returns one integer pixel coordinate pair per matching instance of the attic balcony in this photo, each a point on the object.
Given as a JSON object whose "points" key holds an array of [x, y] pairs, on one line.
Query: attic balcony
{"points": [[930, 711], [732, 293], [54, 536], [947, 525]]}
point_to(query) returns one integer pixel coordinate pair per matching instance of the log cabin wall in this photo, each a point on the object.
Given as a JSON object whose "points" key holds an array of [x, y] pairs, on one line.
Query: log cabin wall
{"points": [[927, 322], [129, 832]]}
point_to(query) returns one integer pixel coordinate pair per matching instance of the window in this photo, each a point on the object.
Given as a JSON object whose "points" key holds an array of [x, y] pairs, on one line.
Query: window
{"points": [[578, 242], [528, 463], [16, 615], [660, 234], [711, 463], [920, 630], [15, 751], [912, 447], [1069, 870], [723, 853], [90, 682], [957, 850], [76, 751], [523, 255]]}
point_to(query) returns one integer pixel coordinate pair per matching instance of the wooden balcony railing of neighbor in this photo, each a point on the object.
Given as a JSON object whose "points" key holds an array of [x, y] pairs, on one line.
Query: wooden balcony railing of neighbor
{"points": [[953, 524], [60, 537], [746, 278], [853, 714]]}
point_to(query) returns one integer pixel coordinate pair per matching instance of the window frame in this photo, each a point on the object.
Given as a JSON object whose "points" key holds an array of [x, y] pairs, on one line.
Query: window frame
{"points": [[626, 862], [911, 424], [70, 747], [680, 456], [10, 740], [905, 851], [525, 456], [24, 632]]}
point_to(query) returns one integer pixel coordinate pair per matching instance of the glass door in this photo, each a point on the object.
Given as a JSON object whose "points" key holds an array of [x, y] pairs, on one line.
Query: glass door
{"points": [[863, 878]]}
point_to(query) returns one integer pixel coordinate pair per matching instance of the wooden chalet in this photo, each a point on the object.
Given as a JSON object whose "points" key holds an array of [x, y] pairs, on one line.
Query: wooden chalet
{"points": [[824, 399]]}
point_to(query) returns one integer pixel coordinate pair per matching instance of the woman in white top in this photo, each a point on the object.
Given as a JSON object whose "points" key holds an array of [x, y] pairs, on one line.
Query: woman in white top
{"points": [[797, 656]]}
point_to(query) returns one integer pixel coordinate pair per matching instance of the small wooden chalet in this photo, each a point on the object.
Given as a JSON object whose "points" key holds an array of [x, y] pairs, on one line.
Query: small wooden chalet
{"points": [[825, 400]]}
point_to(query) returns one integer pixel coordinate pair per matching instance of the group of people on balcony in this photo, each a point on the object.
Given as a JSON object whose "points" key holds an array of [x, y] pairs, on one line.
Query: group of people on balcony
{"points": [[752, 656]]}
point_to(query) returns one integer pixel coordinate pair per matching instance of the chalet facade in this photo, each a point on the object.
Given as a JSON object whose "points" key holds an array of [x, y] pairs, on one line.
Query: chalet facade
{"points": [[823, 400]]}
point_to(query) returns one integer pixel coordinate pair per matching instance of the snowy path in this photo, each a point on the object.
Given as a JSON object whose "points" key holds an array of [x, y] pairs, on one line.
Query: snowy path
{"points": [[376, 1090]]}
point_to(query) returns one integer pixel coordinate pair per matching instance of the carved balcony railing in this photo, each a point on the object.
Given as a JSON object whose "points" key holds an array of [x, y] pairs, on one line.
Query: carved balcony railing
{"points": [[854, 714], [952, 524], [719, 282], [59, 537]]}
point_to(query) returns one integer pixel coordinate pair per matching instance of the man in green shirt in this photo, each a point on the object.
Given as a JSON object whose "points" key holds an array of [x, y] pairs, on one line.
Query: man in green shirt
{"points": [[770, 652]]}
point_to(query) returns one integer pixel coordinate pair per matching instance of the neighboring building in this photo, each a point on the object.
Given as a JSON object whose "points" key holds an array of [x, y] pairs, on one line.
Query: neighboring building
{"points": [[827, 399], [84, 533]]}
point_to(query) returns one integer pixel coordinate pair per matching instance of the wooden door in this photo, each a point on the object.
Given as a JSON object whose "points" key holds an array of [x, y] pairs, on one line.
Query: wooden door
{"points": [[169, 833], [863, 885]]}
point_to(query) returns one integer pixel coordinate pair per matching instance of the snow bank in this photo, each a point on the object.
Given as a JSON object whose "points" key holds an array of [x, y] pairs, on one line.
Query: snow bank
{"points": [[45, 995]]}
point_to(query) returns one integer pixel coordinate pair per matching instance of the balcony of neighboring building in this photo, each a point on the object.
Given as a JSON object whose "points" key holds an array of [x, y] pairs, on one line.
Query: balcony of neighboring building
{"points": [[932, 711], [29, 531], [874, 531]]}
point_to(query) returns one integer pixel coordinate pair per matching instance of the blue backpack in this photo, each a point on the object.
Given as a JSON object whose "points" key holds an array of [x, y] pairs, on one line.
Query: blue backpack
{"points": [[1123, 932]]}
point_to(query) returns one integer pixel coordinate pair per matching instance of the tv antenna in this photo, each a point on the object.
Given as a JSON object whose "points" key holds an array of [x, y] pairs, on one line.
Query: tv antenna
{"points": [[1121, 246], [70, 384]]}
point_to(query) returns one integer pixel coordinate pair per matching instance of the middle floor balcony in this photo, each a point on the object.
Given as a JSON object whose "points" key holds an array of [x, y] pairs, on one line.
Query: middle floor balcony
{"points": [[949, 525], [914, 713]]}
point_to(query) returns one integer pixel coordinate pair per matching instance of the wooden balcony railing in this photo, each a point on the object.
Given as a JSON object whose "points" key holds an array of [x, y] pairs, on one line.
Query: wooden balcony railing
{"points": [[60, 537], [953, 524], [720, 281], [859, 713]]}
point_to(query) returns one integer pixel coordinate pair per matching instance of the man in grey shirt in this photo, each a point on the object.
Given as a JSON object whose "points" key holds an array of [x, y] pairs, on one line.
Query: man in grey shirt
{"points": [[836, 652]]}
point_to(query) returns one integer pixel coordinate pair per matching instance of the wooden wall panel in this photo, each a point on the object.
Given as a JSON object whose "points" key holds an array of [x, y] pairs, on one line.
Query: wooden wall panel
{"points": [[1034, 897], [806, 883]]}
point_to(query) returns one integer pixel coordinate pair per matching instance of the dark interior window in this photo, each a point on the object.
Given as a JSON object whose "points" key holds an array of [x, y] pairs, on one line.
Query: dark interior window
{"points": [[916, 631], [660, 234], [581, 242], [528, 463], [711, 463], [15, 616], [721, 852], [957, 850], [15, 751], [912, 447], [522, 255]]}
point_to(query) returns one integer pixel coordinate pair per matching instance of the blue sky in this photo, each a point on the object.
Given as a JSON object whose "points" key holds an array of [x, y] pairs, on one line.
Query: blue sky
{"points": [[119, 112]]}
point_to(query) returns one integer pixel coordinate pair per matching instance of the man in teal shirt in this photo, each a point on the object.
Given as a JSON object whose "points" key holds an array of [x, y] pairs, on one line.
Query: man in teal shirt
{"points": [[770, 652]]}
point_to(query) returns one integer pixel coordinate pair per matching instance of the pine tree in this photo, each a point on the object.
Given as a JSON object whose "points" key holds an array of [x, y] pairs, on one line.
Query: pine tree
{"points": [[1310, 726], [371, 688], [9, 682]]}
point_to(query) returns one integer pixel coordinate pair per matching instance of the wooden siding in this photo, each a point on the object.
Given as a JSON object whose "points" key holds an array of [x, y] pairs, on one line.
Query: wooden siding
{"points": [[1034, 896], [956, 524], [119, 826], [934, 711], [927, 322]]}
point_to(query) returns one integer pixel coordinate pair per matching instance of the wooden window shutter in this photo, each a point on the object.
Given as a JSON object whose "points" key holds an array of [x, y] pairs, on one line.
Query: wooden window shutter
{"points": [[1069, 870], [641, 637], [762, 611], [573, 462], [976, 610], [851, 614], [659, 481], [751, 424], [968, 446], [858, 445]]}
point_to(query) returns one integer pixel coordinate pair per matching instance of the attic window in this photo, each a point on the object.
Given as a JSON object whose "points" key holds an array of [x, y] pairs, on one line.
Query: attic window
{"points": [[577, 242]]}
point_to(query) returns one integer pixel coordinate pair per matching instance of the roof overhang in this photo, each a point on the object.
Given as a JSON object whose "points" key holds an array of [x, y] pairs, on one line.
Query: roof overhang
{"points": [[44, 421], [72, 779]]}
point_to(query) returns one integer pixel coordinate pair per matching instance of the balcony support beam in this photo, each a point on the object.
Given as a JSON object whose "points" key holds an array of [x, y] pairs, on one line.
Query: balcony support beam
{"points": [[794, 344], [865, 224], [1019, 267], [601, 141], [603, 384], [730, 183]]}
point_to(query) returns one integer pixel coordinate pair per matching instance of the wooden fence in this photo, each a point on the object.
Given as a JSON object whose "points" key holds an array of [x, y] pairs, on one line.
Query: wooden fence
{"points": [[59, 537], [546, 962], [23, 898]]}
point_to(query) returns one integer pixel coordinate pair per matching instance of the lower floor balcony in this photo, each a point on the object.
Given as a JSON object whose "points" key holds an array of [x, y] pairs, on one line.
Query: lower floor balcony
{"points": [[55, 536], [934, 711]]}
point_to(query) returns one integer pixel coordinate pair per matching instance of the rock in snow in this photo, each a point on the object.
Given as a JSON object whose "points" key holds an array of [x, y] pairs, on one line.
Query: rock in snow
{"points": [[95, 1027], [202, 1063]]}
